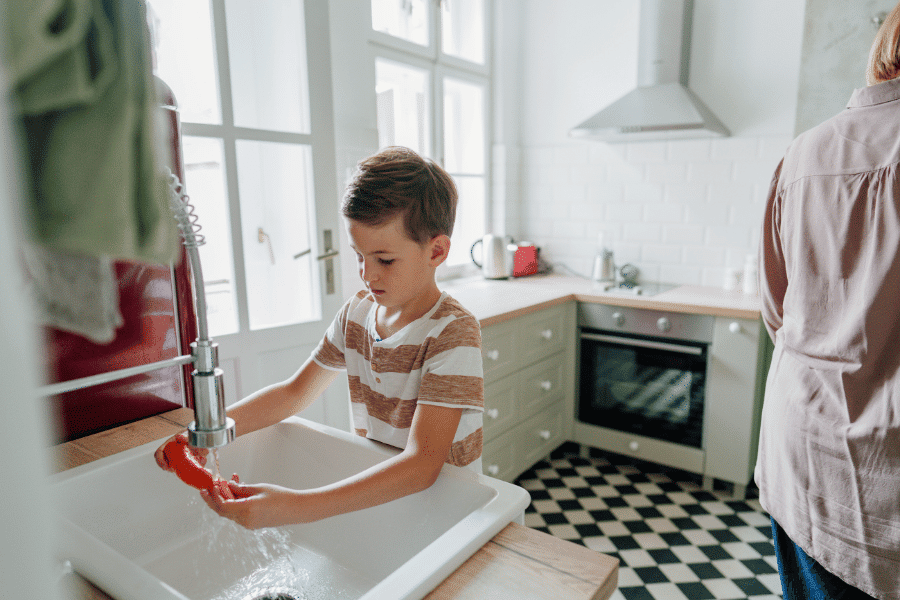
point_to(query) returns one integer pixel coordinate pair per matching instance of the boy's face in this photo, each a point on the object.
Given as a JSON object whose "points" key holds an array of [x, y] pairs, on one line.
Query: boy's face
{"points": [[398, 271]]}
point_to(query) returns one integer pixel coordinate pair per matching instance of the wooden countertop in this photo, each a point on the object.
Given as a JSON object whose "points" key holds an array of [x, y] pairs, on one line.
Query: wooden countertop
{"points": [[517, 564], [495, 301]]}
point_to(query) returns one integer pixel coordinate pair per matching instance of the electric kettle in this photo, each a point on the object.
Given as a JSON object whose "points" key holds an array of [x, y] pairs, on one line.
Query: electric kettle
{"points": [[497, 254]]}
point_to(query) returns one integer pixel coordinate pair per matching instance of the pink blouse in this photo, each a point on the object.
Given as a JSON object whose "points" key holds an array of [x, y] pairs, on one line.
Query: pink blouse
{"points": [[829, 453]]}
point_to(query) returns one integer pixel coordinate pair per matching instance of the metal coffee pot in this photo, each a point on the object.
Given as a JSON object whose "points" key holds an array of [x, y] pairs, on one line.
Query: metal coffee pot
{"points": [[497, 254]]}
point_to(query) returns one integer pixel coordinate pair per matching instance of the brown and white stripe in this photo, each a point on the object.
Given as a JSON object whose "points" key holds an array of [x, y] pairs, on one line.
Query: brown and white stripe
{"points": [[434, 360]]}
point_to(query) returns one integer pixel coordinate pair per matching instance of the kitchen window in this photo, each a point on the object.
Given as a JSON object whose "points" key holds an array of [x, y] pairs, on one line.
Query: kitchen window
{"points": [[433, 95]]}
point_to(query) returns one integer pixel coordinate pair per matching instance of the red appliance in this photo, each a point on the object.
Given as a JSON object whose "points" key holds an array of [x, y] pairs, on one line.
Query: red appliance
{"points": [[525, 261]]}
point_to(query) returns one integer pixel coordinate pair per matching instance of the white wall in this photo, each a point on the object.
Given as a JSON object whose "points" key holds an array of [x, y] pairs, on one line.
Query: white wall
{"points": [[681, 211]]}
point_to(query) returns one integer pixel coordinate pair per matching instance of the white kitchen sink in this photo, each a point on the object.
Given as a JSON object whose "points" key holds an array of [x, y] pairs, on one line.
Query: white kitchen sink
{"points": [[139, 533]]}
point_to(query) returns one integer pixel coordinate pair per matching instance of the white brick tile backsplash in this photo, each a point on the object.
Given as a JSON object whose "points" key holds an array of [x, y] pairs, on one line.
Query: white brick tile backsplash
{"points": [[663, 213], [754, 171], [708, 214], [667, 172], [643, 192], [684, 234], [711, 171], [625, 212], [646, 152], [682, 211], [731, 193], [683, 274], [589, 211], [606, 192], [569, 193], [685, 193], [662, 253], [690, 150], [625, 173], [589, 173], [571, 155], [728, 235], [704, 256], [735, 149], [774, 147], [642, 232]]}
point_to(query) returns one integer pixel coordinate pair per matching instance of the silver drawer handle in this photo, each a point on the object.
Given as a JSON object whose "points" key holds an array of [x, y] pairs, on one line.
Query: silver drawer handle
{"points": [[493, 354], [547, 334], [544, 434], [493, 413], [546, 385]]}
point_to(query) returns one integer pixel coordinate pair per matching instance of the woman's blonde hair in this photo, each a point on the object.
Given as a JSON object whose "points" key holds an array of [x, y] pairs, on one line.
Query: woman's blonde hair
{"points": [[884, 58]]}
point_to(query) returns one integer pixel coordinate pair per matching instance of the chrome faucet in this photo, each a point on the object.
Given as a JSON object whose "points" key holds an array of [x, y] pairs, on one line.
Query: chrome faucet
{"points": [[211, 428]]}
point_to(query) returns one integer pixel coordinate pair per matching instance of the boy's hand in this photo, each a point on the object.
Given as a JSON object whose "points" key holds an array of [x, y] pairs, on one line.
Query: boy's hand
{"points": [[159, 455], [263, 505]]}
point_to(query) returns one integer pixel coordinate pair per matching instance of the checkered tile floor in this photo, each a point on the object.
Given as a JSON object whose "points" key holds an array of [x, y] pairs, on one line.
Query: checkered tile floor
{"points": [[673, 539]]}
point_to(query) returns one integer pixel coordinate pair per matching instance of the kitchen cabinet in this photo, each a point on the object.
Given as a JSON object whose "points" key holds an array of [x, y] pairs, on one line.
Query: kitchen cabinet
{"points": [[529, 374], [738, 365]]}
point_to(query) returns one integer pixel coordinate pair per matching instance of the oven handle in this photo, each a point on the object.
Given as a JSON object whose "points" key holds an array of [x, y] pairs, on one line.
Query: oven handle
{"points": [[611, 339]]}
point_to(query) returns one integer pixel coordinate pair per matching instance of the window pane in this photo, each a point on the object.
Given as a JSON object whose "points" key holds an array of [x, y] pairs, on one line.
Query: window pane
{"points": [[403, 106], [184, 56], [267, 53], [464, 127], [277, 226], [462, 29], [470, 221], [205, 184], [405, 19]]}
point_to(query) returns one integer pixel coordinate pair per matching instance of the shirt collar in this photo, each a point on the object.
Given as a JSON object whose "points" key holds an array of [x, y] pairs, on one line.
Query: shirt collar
{"points": [[886, 91]]}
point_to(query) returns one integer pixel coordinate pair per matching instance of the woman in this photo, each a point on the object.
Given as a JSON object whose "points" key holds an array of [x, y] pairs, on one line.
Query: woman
{"points": [[829, 456]]}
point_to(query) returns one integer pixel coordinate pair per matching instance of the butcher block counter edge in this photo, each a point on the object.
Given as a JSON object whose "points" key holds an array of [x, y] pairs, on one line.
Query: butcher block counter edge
{"points": [[566, 570]]}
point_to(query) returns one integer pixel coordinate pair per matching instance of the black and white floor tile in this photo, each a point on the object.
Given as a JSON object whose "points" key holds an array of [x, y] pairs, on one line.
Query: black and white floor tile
{"points": [[674, 540]]}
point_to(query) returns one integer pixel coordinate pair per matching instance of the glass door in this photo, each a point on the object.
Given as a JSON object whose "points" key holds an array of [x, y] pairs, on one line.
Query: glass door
{"points": [[258, 147]]}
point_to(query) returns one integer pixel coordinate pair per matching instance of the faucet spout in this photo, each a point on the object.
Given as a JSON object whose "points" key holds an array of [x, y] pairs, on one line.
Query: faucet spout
{"points": [[211, 427]]}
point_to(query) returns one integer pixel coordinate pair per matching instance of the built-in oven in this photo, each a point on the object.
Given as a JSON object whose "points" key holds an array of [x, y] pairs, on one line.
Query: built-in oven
{"points": [[642, 382]]}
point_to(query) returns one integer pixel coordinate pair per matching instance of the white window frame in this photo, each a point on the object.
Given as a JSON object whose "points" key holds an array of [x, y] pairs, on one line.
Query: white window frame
{"points": [[229, 134], [432, 59]]}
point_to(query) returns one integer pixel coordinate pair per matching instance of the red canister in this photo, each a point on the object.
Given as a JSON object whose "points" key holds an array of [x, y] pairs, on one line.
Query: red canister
{"points": [[525, 261]]}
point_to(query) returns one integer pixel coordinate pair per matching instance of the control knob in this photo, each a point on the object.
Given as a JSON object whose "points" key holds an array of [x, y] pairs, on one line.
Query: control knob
{"points": [[663, 324], [618, 318]]}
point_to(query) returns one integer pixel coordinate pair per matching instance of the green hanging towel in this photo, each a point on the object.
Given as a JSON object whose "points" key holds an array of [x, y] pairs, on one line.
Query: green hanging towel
{"points": [[82, 84]]}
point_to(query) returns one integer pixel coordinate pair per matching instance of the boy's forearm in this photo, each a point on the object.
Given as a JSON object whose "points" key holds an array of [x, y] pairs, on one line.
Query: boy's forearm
{"points": [[281, 400], [263, 408], [394, 478]]}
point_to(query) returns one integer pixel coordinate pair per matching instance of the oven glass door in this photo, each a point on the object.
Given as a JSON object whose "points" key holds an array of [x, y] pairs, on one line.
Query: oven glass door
{"points": [[646, 386]]}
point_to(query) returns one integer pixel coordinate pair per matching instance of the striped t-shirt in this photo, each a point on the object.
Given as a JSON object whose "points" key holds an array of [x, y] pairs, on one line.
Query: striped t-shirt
{"points": [[434, 360]]}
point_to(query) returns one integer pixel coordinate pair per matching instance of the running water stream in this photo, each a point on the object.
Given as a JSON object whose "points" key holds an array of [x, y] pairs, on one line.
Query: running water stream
{"points": [[264, 563]]}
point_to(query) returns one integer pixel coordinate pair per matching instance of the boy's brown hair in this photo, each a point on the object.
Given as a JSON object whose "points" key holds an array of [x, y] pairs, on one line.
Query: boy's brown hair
{"points": [[398, 181]]}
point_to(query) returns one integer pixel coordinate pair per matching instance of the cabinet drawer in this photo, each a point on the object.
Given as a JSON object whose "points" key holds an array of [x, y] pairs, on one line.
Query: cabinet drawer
{"points": [[540, 385], [501, 457], [542, 334], [498, 351], [542, 433], [500, 406]]}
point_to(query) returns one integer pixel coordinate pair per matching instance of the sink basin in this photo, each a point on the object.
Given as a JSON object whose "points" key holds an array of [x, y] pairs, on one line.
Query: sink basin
{"points": [[139, 533]]}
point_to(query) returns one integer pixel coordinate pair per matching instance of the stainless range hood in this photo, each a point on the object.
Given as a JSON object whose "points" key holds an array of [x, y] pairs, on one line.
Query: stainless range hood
{"points": [[662, 107]]}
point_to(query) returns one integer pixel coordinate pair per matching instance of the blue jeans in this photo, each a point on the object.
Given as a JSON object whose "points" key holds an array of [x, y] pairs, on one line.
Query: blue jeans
{"points": [[802, 578]]}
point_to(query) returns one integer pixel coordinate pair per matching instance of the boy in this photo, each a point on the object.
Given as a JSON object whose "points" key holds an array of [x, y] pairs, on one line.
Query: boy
{"points": [[412, 353]]}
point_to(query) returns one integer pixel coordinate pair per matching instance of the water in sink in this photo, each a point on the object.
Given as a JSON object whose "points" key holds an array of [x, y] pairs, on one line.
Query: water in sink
{"points": [[247, 563]]}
